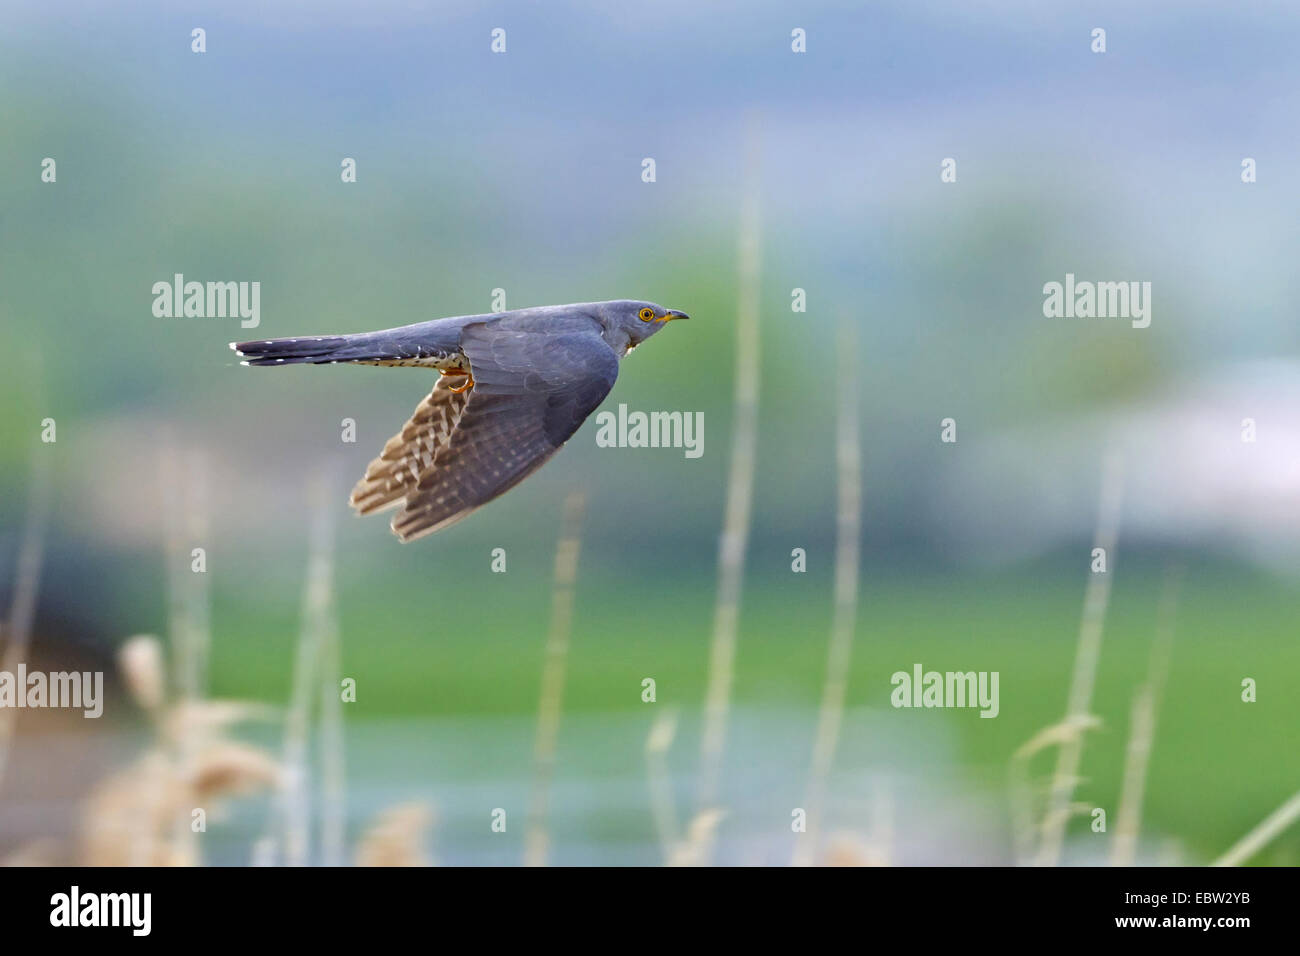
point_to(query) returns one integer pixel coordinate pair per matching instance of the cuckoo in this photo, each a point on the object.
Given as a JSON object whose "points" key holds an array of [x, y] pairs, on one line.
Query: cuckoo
{"points": [[513, 387]]}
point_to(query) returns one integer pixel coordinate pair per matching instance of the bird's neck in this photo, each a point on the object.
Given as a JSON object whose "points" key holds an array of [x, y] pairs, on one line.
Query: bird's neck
{"points": [[619, 341]]}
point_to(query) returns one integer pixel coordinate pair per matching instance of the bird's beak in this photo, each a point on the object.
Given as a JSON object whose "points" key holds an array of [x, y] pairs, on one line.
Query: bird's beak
{"points": [[673, 314]]}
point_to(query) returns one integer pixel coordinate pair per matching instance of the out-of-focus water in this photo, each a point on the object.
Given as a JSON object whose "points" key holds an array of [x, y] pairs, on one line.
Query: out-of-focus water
{"points": [[894, 794]]}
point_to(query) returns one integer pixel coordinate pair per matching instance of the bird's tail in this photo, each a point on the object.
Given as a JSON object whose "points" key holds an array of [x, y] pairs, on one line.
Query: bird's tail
{"points": [[317, 349]]}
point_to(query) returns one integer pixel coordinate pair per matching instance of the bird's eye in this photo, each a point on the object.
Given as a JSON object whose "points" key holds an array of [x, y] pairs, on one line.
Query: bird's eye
{"points": [[645, 315]]}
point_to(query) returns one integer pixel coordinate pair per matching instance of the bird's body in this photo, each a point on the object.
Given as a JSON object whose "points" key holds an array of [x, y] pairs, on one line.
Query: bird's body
{"points": [[513, 387]]}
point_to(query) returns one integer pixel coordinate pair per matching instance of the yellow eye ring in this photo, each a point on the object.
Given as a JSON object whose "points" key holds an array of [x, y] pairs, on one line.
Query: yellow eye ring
{"points": [[645, 315]]}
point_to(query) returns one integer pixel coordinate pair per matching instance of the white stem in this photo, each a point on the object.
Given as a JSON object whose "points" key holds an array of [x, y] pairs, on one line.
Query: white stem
{"points": [[848, 531], [1146, 704], [550, 704], [1254, 841], [1096, 601], [295, 797], [740, 489]]}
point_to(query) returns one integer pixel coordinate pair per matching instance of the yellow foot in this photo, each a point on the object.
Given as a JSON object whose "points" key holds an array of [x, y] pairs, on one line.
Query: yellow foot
{"points": [[469, 382]]}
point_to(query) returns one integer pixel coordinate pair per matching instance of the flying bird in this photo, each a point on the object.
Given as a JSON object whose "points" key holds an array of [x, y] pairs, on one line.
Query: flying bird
{"points": [[512, 388]]}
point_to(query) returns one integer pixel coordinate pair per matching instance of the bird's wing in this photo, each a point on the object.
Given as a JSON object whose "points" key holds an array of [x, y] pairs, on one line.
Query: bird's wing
{"points": [[532, 390], [409, 453]]}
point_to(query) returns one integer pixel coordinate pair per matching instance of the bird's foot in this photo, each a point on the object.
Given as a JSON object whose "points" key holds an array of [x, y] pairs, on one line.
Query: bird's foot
{"points": [[469, 380]]}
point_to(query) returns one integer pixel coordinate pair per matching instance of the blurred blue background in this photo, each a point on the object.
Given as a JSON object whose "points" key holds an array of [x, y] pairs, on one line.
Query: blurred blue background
{"points": [[522, 171]]}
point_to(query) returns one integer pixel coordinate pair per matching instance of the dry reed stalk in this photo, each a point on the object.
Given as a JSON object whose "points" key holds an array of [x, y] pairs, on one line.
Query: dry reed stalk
{"points": [[848, 531], [208, 720], [227, 768], [1022, 791], [130, 817], [1096, 601], [396, 837], [873, 848], [317, 619], [111, 814], [198, 596], [140, 660], [739, 502], [694, 849], [537, 839], [882, 825], [331, 746], [1256, 839], [186, 528], [1021, 796], [1142, 731], [662, 801], [27, 583], [138, 824]]}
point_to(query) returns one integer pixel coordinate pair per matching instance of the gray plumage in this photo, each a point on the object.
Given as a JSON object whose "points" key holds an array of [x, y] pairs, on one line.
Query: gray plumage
{"points": [[513, 387]]}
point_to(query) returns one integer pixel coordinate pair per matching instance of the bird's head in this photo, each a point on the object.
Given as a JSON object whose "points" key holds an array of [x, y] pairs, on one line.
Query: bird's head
{"points": [[637, 320]]}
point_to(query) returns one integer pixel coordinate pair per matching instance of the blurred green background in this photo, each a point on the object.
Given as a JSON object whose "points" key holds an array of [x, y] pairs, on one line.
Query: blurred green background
{"points": [[522, 172]]}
